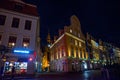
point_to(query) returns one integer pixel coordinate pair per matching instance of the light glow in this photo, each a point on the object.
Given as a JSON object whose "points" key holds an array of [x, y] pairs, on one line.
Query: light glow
{"points": [[30, 59], [85, 66], [21, 51]]}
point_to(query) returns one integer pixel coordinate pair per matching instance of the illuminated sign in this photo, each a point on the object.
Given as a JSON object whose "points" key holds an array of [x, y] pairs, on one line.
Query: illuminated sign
{"points": [[21, 50]]}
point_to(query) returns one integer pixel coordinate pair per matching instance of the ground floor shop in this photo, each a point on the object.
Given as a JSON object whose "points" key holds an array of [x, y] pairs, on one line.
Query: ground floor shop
{"points": [[23, 64], [20, 67], [72, 65]]}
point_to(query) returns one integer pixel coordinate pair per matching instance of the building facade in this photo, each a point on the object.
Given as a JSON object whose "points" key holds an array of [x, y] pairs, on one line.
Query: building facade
{"points": [[68, 52], [19, 32]]}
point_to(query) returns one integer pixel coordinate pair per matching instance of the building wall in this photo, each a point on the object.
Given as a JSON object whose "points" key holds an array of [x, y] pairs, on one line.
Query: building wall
{"points": [[72, 38], [6, 30], [26, 12]]}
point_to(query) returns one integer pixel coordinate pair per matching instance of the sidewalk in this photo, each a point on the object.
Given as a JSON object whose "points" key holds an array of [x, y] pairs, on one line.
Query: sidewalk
{"points": [[42, 74], [23, 76]]}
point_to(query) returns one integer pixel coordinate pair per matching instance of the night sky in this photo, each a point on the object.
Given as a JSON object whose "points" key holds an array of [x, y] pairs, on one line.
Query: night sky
{"points": [[100, 18]]}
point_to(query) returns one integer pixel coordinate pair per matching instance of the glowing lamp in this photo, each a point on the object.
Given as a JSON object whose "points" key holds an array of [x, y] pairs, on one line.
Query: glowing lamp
{"points": [[30, 59]]}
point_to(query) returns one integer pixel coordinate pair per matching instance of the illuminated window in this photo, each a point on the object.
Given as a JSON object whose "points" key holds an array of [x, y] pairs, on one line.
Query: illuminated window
{"points": [[80, 44], [26, 42], [15, 22], [76, 42], [70, 30], [63, 54], [2, 19], [12, 41], [58, 53], [28, 25]]}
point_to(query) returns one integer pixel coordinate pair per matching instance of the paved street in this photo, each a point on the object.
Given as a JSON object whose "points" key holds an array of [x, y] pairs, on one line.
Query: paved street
{"points": [[87, 75]]}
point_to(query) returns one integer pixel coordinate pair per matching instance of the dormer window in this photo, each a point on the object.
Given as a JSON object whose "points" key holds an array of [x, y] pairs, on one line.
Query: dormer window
{"points": [[18, 7]]}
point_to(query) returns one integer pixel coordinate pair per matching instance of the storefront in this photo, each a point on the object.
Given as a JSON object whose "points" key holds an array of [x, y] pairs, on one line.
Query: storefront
{"points": [[20, 67], [22, 61]]}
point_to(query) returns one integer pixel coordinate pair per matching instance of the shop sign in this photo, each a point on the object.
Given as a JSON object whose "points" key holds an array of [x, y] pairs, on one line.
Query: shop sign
{"points": [[21, 50]]}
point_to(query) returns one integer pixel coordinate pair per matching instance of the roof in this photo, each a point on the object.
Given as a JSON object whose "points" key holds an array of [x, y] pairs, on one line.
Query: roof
{"points": [[19, 6]]}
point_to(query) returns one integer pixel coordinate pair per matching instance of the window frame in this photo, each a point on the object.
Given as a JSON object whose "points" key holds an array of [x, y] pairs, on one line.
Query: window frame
{"points": [[15, 22], [26, 41], [28, 24], [11, 41], [2, 19]]}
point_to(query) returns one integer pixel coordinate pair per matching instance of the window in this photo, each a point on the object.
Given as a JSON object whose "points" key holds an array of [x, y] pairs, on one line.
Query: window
{"points": [[76, 42], [72, 52], [12, 41], [18, 7], [26, 42], [80, 53], [58, 53], [15, 22], [2, 19], [28, 25], [80, 44], [63, 52]]}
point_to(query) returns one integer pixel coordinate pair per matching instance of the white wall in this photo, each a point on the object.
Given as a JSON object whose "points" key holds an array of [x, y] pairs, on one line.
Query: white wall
{"points": [[6, 30]]}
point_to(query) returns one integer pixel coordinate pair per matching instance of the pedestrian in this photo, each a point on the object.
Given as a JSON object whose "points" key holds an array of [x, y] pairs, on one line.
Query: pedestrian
{"points": [[13, 71]]}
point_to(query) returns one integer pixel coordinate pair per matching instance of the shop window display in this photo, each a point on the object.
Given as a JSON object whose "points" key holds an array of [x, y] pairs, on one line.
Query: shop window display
{"points": [[20, 67]]}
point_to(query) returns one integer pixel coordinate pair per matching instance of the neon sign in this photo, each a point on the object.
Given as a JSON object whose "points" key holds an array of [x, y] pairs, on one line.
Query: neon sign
{"points": [[21, 50]]}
